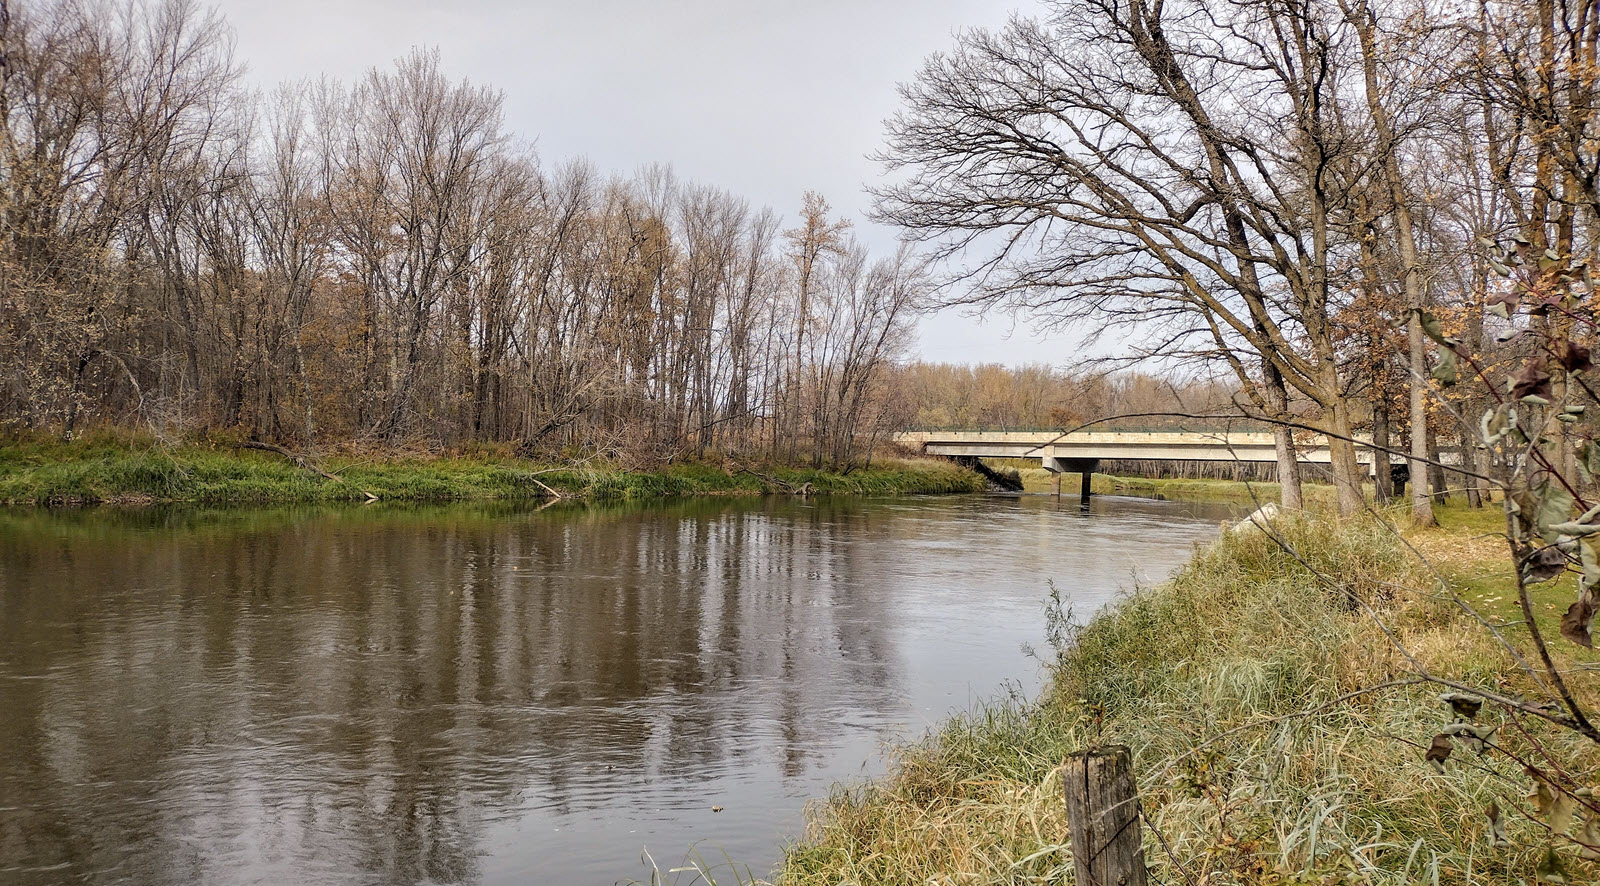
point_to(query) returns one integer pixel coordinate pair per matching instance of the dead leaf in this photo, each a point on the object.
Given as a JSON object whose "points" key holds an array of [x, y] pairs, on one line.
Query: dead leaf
{"points": [[1433, 328], [1532, 381], [1590, 837], [1573, 357], [1506, 301], [1554, 508], [1543, 564], [1550, 869], [1439, 751], [1474, 737], [1445, 371], [1553, 805], [1464, 706], [1497, 826], [1575, 625]]}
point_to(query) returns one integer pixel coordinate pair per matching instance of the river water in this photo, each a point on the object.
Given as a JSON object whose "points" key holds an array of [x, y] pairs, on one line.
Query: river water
{"points": [[498, 695]]}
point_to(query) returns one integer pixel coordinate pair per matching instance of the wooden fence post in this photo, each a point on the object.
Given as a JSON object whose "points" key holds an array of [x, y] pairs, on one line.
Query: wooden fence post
{"points": [[1103, 818]]}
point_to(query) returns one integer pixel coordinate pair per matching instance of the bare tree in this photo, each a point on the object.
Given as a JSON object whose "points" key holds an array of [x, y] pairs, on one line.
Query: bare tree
{"points": [[385, 261]]}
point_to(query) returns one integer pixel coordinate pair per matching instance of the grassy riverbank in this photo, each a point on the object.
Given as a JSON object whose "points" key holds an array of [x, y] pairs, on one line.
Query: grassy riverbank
{"points": [[106, 470], [1038, 480], [1232, 685]]}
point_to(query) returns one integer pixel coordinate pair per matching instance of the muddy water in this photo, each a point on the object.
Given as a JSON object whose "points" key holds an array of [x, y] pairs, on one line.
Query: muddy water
{"points": [[503, 696]]}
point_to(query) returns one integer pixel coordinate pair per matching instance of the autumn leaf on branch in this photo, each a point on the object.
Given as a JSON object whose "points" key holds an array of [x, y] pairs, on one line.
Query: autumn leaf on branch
{"points": [[1532, 384], [1543, 565], [1553, 805], [1572, 356], [1579, 618]]}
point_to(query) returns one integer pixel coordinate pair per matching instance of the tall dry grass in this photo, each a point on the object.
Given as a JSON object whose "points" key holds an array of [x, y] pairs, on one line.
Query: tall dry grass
{"points": [[1246, 688]]}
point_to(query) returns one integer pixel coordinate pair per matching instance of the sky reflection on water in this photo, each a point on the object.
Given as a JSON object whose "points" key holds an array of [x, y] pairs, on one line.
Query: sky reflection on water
{"points": [[494, 695]]}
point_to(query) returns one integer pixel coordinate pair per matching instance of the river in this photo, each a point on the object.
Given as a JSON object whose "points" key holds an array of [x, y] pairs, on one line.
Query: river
{"points": [[501, 695]]}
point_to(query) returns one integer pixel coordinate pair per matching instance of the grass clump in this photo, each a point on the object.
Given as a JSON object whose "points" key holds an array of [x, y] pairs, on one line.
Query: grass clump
{"points": [[1247, 689]]}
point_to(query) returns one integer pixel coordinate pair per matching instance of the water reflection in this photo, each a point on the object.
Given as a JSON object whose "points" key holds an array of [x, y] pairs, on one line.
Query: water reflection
{"points": [[470, 694]]}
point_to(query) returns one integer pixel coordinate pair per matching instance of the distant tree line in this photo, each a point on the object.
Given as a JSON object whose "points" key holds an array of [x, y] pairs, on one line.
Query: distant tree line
{"points": [[384, 261], [1040, 396]]}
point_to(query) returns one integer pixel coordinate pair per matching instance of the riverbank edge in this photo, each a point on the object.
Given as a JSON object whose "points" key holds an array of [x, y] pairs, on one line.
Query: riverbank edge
{"points": [[1040, 481], [1224, 681], [102, 472]]}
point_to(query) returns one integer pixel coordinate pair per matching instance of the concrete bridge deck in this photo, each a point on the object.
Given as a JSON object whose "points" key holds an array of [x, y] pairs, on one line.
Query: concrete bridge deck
{"points": [[1095, 445], [1082, 452]]}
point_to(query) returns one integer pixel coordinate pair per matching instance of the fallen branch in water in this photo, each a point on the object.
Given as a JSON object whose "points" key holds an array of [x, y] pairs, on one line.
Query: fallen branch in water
{"points": [[775, 482], [533, 477]]}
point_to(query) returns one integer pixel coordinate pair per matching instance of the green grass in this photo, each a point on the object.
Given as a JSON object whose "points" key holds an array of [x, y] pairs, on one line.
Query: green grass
{"points": [[1225, 683], [1469, 549], [106, 470]]}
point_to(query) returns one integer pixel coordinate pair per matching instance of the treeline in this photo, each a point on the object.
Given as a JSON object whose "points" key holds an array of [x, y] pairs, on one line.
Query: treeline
{"points": [[1345, 205], [385, 261], [1038, 396]]}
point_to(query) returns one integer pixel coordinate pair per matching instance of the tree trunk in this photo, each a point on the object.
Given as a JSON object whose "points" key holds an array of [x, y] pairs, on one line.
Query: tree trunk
{"points": [[1421, 503], [1289, 495], [1364, 19], [1472, 461], [1346, 469], [1382, 482]]}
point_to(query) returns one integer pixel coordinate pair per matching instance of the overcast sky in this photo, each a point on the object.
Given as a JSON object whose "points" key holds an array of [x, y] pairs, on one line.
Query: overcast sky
{"points": [[763, 98]]}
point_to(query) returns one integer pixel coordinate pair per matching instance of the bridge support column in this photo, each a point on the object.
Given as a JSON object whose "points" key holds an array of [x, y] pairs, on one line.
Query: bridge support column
{"points": [[1084, 466]]}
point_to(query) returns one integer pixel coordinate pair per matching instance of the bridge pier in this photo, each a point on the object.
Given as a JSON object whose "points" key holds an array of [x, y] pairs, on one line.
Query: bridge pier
{"points": [[1083, 466]]}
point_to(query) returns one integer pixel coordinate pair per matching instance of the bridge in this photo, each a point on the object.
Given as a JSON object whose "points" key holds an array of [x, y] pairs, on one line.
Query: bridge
{"points": [[1081, 452]]}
